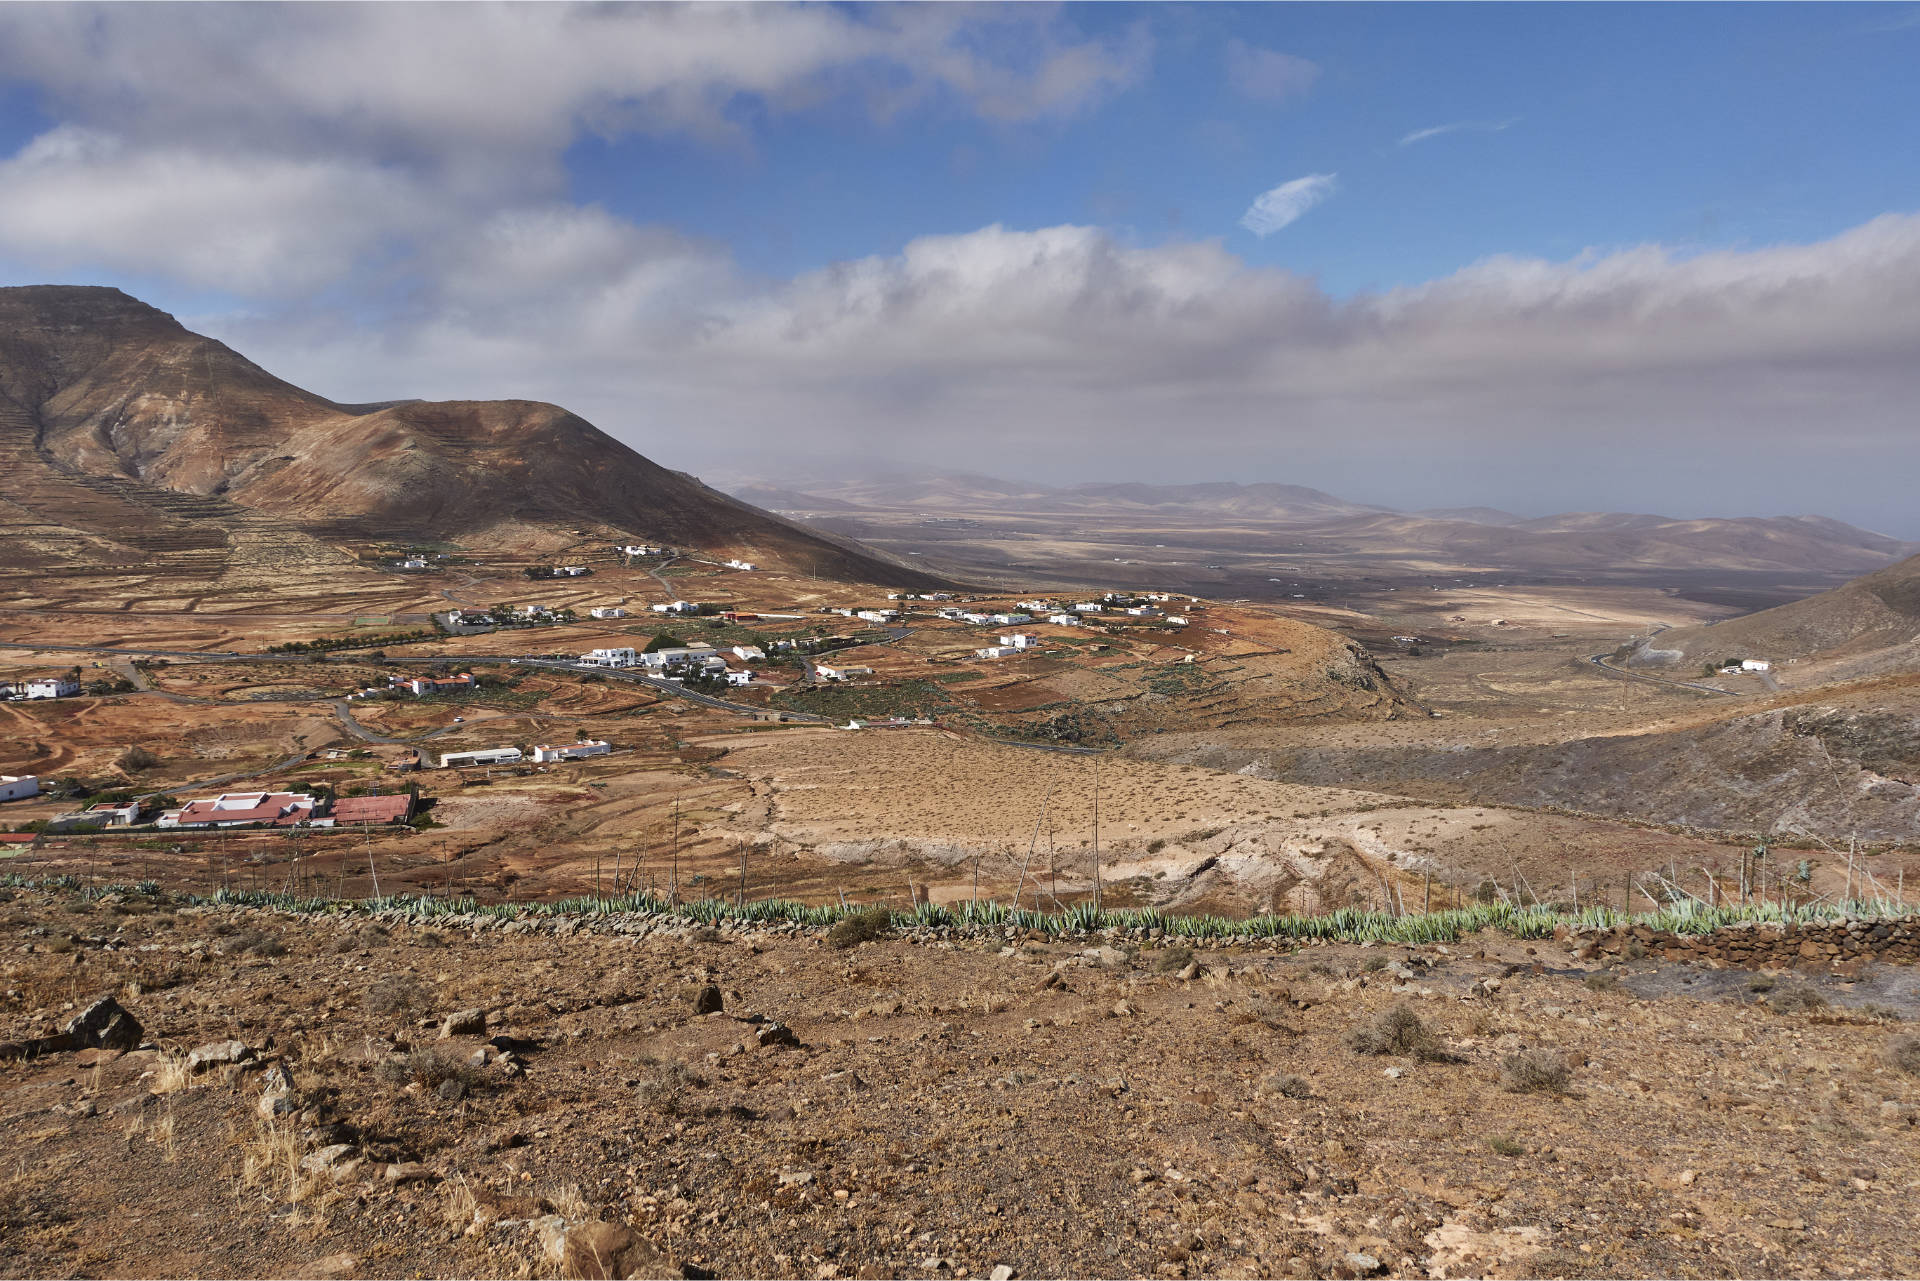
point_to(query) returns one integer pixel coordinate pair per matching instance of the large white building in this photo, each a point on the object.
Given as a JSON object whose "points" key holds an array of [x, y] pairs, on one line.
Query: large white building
{"points": [[571, 751], [749, 653], [50, 687], [482, 756], [17, 787], [607, 611], [1755, 665], [622, 657], [1020, 640]]}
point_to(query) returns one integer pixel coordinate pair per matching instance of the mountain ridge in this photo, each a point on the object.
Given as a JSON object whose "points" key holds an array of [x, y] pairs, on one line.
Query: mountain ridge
{"points": [[102, 393]]}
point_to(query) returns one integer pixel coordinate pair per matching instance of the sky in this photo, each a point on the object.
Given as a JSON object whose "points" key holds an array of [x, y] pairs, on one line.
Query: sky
{"points": [[1545, 258]]}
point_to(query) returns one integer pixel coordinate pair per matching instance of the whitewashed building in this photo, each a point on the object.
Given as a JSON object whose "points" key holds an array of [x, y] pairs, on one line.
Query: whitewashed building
{"points": [[622, 656], [546, 752], [18, 787], [749, 653], [607, 611], [1756, 665], [50, 687], [1020, 640], [481, 756]]}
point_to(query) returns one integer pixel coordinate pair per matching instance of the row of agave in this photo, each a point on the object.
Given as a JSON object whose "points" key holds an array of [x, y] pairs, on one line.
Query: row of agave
{"points": [[1344, 925]]}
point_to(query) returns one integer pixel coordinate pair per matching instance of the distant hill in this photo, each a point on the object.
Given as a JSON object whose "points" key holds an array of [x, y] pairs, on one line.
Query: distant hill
{"points": [[116, 421], [1809, 551], [1875, 616]]}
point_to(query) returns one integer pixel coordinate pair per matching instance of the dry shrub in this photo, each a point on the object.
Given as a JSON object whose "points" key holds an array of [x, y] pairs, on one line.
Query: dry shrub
{"points": [[1505, 1146], [135, 759], [362, 939], [1535, 1072], [1171, 960], [665, 1082], [1603, 982], [1796, 1000], [429, 1069], [170, 1074], [395, 996], [254, 943], [1287, 1085], [1903, 1052], [1398, 1030], [861, 927]]}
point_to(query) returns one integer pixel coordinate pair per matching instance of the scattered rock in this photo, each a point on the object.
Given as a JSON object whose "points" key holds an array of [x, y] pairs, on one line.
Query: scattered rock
{"points": [[219, 1054], [451, 1090], [608, 1252], [409, 1172], [104, 1025], [1121, 1009], [1363, 1265], [326, 1158], [708, 1000], [463, 1023], [327, 1268], [772, 1034]]}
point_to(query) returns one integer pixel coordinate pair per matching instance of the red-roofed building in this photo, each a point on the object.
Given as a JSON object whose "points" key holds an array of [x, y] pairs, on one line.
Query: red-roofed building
{"points": [[240, 809], [370, 809]]}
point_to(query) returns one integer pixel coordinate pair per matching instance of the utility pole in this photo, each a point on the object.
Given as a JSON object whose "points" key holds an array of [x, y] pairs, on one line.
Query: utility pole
{"points": [[1096, 833], [676, 852]]}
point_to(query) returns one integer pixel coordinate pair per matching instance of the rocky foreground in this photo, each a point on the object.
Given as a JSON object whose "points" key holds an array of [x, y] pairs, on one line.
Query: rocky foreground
{"points": [[333, 1096]]}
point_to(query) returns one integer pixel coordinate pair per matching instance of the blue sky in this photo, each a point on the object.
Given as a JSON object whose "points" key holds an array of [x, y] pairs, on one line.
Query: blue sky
{"points": [[1693, 126], [1542, 257]]}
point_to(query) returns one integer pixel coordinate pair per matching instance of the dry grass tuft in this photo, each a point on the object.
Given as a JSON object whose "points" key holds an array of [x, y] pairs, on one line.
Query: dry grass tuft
{"points": [[664, 1085], [1796, 1000], [1535, 1072], [429, 1069], [1903, 1053], [861, 927], [1398, 1030], [1287, 1085]]}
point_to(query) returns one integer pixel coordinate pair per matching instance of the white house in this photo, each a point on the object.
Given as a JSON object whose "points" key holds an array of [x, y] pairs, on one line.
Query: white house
{"points": [[1755, 665], [621, 657], [1037, 606], [977, 619], [571, 751], [640, 549], [1064, 620], [17, 787], [607, 611], [1010, 620], [483, 756], [879, 615], [995, 651], [50, 687], [1178, 620], [1143, 611], [674, 655], [826, 673], [742, 677], [239, 809], [569, 571], [1020, 640], [676, 607], [749, 653], [413, 562], [1089, 607], [740, 564]]}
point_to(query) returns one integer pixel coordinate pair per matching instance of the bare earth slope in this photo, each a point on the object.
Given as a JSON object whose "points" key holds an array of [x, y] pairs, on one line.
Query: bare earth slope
{"points": [[1880, 611], [104, 396]]}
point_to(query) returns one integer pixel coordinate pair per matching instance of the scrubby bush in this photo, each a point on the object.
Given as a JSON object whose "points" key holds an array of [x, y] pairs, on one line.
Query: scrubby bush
{"points": [[1796, 1000], [1602, 981], [1397, 1030], [1287, 1085], [1903, 1053], [1535, 1072], [135, 759], [429, 1069], [1505, 1146], [1171, 960], [391, 996], [861, 927], [663, 1087]]}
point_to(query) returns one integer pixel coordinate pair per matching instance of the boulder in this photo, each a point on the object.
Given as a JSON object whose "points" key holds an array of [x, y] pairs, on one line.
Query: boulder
{"points": [[708, 1000], [218, 1054], [772, 1034], [609, 1252], [104, 1025], [463, 1023]]}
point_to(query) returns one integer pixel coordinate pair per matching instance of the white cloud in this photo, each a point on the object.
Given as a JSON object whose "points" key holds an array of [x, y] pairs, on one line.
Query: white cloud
{"points": [[1268, 75], [1457, 126], [1284, 205]]}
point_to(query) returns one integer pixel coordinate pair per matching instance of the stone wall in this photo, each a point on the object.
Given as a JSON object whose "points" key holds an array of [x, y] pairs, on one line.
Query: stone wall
{"points": [[1835, 947]]}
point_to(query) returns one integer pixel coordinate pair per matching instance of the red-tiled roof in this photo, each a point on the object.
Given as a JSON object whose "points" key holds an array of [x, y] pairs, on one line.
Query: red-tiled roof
{"points": [[370, 809], [275, 807]]}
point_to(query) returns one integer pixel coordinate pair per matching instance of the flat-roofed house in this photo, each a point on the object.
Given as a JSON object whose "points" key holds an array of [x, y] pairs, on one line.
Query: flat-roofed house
{"points": [[571, 751], [17, 787], [481, 756]]}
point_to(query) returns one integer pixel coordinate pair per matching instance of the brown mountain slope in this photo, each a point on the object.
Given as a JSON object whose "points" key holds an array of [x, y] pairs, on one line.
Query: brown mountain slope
{"points": [[115, 420], [1872, 618]]}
